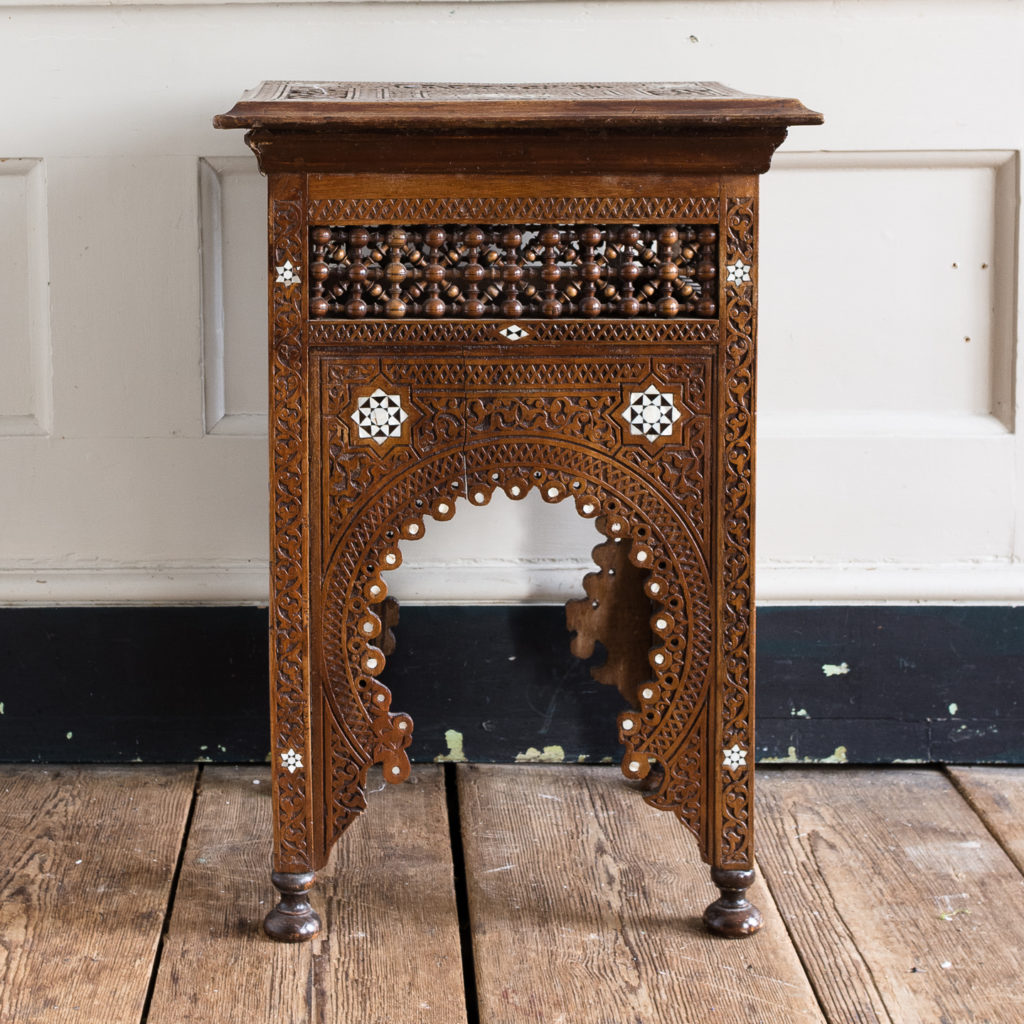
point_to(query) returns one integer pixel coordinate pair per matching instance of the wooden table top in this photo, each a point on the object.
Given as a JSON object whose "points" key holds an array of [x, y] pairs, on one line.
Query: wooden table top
{"points": [[625, 107]]}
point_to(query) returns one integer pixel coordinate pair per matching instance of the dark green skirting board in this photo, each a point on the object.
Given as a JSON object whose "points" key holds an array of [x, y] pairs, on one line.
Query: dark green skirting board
{"points": [[861, 684]]}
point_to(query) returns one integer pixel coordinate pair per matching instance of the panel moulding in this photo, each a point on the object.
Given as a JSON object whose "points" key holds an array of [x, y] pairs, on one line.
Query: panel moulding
{"points": [[222, 306], [1002, 301], [27, 261]]}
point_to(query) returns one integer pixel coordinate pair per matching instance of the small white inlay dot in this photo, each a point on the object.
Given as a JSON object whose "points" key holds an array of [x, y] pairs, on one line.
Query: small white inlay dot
{"points": [[516, 490], [479, 497], [634, 766], [655, 588], [390, 558], [627, 724], [367, 627], [588, 509], [641, 556], [616, 527], [442, 508], [380, 698], [659, 659], [413, 529], [403, 726], [660, 624], [647, 693], [371, 663], [552, 492], [396, 770], [374, 590]]}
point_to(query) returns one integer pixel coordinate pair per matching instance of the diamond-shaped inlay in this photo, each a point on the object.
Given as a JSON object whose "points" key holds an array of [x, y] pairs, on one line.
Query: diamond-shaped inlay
{"points": [[291, 760], [287, 274], [735, 757], [380, 416], [651, 413], [514, 332], [738, 272]]}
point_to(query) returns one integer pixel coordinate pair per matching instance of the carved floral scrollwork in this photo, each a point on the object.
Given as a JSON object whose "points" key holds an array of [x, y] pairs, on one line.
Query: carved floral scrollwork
{"points": [[735, 840], [288, 599]]}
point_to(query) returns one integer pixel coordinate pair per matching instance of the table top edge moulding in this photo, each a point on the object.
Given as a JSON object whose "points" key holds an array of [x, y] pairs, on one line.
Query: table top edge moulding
{"points": [[352, 126], [477, 288], [617, 107]]}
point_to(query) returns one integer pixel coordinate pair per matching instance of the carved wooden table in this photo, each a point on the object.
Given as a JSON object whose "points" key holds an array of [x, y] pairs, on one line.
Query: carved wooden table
{"points": [[515, 287]]}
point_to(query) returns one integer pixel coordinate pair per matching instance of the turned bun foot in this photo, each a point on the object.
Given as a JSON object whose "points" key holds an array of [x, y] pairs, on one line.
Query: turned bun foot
{"points": [[293, 919], [732, 915]]}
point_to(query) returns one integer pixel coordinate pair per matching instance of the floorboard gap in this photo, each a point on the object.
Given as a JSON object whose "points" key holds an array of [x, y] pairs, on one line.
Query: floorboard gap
{"points": [[154, 974], [987, 825], [461, 892]]}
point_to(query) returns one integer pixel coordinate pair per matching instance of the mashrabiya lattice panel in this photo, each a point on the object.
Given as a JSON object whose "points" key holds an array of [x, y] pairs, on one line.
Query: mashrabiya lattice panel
{"points": [[525, 270]]}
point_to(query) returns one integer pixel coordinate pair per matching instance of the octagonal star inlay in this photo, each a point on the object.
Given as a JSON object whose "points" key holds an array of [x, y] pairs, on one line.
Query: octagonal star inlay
{"points": [[379, 416], [651, 413]]}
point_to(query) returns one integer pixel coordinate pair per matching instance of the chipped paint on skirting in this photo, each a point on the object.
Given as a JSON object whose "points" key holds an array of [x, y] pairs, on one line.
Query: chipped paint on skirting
{"points": [[549, 755], [841, 669], [456, 753], [838, 756]]}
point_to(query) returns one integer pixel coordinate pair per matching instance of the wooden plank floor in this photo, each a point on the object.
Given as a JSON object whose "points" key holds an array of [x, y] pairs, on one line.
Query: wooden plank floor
{"points": [[134, 894]]}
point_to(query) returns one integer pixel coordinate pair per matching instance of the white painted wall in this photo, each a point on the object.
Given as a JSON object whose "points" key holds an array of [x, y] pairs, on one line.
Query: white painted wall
{"points": [[132, 408]]}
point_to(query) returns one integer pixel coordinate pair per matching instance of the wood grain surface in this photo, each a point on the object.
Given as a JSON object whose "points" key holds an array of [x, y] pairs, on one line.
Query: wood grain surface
{"points": [[903, 910], [390, 949], [997, 795], [585, 907], [88, 858]]}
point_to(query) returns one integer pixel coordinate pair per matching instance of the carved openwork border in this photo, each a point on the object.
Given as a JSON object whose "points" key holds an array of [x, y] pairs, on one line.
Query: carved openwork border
{"points": [[737, 468], [501, 209], [290, 726], [635, 333]]}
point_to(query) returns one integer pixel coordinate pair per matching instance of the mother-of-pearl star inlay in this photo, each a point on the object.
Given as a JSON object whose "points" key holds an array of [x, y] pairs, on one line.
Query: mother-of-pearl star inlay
{"points": [[379, 416], [651, 413]]}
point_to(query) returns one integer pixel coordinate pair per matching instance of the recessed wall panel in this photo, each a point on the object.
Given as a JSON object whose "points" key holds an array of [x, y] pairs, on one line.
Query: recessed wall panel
{"points": [[24, 299], [887, 292], [233, 199]]}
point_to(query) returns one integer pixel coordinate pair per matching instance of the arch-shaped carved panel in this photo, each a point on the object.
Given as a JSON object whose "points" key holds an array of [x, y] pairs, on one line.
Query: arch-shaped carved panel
{"points": [[568, 446]]}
